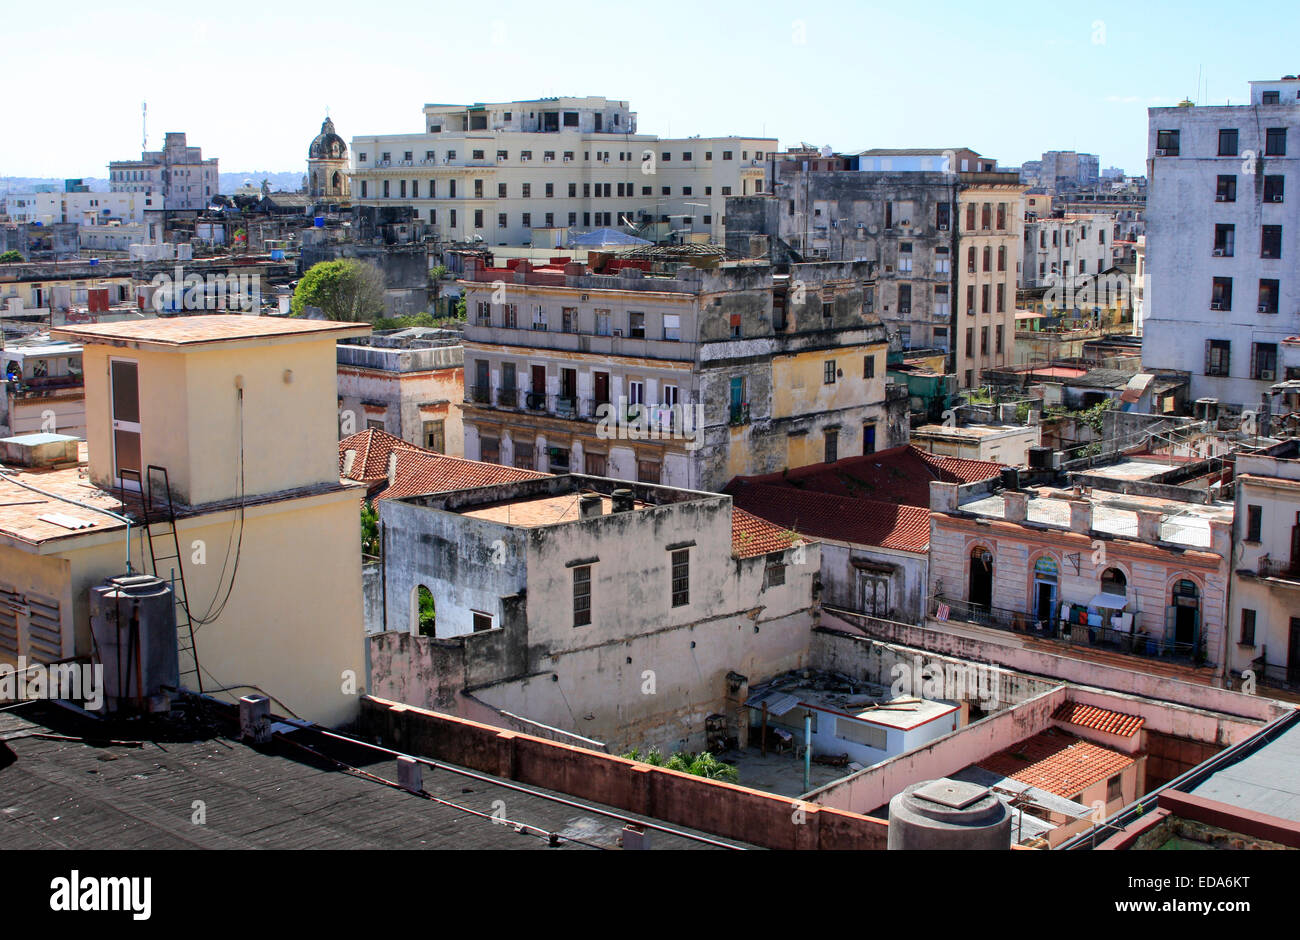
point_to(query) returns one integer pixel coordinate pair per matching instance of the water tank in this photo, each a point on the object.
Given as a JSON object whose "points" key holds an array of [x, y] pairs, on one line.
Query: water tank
{"points": [[1040, 457], [948, 814], [133, 623], [1010, 478]]}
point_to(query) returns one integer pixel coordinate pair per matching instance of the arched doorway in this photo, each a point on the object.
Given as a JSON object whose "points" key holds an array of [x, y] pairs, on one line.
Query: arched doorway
{"points": [[980, 589], [423, 618], [1185, 614]]}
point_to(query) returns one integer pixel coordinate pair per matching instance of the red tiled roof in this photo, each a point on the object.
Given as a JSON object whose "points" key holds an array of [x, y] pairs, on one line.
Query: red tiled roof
{"points": [[900, 475], [752, 536], [825, 515], [418, 470], [1057, 762], [373, 447], [1099, 719]]}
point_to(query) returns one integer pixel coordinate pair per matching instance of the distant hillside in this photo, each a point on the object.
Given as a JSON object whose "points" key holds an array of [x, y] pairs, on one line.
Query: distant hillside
{"points": [[280, 182], [28, 184]]}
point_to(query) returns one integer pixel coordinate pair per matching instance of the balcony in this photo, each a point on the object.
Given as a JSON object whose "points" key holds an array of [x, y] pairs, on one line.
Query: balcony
{"points": [[1282, 569], [1276, 676], [479, 394], [535, 401], [592, 408], [508, 397], [1138, 642], [46, 386]]}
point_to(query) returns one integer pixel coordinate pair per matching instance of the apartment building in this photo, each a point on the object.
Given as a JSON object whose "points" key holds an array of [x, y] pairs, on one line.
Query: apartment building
{"points": [[1265, 621], [1220, 257], [672, 373], [945, 242], [178, 173], [502, 173], [82, 208], [1066, 251]]}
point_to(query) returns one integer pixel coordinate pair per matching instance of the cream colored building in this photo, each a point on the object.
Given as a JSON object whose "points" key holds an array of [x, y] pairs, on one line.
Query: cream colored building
{"points": [[1264, 626], [498, 172], [82, 208], [990, 213], [240, 411]]}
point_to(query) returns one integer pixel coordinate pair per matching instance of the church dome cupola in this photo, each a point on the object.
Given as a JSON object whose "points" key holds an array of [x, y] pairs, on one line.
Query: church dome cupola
{"points": [[327, 145]]}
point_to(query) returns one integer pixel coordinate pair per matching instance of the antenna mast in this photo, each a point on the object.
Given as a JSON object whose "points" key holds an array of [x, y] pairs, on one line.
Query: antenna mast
{"points": [[144, 125]]}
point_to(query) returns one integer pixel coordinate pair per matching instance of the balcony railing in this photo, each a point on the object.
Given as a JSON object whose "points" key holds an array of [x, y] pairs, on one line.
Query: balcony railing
{"points": [[739, 414], [509, 397], [1287, 570], [481, 394], [535, 401], [1136, 642], [45, 385], [1275, 676]]}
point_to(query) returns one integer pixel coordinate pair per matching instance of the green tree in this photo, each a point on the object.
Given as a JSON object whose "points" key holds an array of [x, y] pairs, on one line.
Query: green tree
{"points": [[437, 275], [461, 307], [10, 256], [346, 289], [427, 614], [369, 529]]}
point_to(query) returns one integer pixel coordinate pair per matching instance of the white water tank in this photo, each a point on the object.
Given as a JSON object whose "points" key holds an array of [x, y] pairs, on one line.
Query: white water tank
{"points": [[948, 814], [133, 623]]}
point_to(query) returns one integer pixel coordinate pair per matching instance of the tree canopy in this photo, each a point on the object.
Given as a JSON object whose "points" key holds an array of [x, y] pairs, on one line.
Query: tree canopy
{"points": [[346, 289]]}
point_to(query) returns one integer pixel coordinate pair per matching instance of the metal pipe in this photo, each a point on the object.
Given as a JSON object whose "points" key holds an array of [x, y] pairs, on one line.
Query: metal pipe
{"points": [[807, 750]]}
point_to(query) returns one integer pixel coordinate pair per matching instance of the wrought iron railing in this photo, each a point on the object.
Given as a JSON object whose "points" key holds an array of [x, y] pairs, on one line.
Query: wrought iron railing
{"points": [[1287, 569]]}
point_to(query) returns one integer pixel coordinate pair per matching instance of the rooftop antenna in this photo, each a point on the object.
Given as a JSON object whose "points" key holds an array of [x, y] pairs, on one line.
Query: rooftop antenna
{"points": [[144, 125]]}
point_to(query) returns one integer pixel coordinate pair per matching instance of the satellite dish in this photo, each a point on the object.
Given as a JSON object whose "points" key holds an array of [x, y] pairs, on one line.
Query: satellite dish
{"points": [[826, 150]]}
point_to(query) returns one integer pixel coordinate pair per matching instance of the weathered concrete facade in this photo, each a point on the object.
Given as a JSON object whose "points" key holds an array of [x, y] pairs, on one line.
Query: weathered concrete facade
{"points": [[409, 383], [700, 376], [657, 654]]}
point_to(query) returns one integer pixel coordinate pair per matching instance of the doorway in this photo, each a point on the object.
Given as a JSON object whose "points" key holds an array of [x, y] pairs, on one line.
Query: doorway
{"points": [[1186, 614], [980, 592], [1293, 653], [124, 376], [1044, 594]]}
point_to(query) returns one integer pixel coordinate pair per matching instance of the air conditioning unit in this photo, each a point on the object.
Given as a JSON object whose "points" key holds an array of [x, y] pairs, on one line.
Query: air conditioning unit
{"points": [[1266, 375], [1162, 153], [547, 159], [1220, 197], [606, 160], [618, 332], [568, 159], [1277, 197], [1216, 305], [1263, 308], [943, 228], [1218, 252]]}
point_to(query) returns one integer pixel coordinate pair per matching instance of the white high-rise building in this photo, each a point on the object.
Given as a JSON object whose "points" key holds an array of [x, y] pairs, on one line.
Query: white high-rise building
{"points": [[1222, 219], [506, 173]]}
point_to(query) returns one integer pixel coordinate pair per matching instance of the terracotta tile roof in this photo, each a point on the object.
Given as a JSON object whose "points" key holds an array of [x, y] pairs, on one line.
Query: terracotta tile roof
{"points": [[825, 515], [900, 475], [752, 536], [206, 328], [422, 471], [373, 447], [1057, 762], [1099, 719]]}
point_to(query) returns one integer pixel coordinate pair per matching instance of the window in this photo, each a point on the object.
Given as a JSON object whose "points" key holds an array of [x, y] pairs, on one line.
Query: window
{"points": [[550, 190], [988, 258], [984, 298], [1001, 298], [1268, 292], [528, 220], [582, 595], [1275, 142], [681, 582], [1271, 97], [970, 260], [774, 570], [635, 325], [1002, 257], [1225, 238], [1263, 366], [986, 216], [970, 218], [1254, 523], [984, 340], [672, 326], [904, 298], [1273, 188], [1218, 353], [828, 372], [726, 190], [1167, 141], [1228, 142], [478, 218], [490, 450], [501, 220], [482, 622], [1270, 241], [970, 299], [997, 332], [970, 346], [1221, 294], [832, 445], [868, 367], [1247, 637], [1113, 789], [1002, 216]]}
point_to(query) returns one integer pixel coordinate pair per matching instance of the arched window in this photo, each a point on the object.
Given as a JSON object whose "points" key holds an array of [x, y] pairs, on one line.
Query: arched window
{"points": [[1185, 614], [336, 182], [1114, 582]]}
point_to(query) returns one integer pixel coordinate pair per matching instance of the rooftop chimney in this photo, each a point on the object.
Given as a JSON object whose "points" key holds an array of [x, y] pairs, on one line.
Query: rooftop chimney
{"points": [[590, 505], [1149, 525], [1081, 516], [1017, 506]]}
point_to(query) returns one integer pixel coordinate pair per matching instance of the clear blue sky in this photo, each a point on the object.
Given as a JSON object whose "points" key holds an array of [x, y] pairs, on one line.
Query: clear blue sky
{"points": [[250, 82]]}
